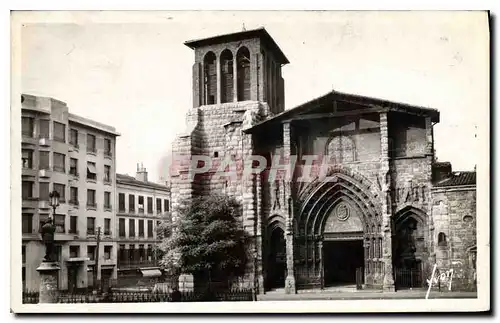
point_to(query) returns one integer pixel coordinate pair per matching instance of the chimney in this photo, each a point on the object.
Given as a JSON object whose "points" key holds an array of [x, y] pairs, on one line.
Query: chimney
{"points": [[142, 174]]}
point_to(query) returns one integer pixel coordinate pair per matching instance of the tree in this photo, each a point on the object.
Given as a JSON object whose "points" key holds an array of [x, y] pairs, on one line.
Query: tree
{"points": [[207, 240]]}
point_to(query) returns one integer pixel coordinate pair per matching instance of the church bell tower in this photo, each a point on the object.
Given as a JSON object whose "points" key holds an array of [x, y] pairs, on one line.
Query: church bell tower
{"points": [[237, 67]]}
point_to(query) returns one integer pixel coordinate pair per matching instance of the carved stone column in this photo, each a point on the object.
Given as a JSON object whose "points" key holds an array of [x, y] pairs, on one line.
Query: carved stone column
{"points": [[218, 77], [290, 287], [235, 78], [386, 202], [321, 267]]}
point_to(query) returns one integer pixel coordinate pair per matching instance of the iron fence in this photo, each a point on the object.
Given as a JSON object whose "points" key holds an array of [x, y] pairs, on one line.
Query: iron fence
{"points": [[408, 278], [233, 295]]}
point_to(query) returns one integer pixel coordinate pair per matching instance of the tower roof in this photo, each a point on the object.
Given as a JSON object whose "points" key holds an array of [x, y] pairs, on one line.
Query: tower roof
{"points": [[246, 34]]}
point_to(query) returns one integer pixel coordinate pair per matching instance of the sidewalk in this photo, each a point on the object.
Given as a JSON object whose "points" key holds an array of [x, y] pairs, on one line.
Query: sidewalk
{"points": [[362, 294]]}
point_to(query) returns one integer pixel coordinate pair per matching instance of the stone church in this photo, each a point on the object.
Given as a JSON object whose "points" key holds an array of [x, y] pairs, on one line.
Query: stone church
{"points": [[389, 212]]}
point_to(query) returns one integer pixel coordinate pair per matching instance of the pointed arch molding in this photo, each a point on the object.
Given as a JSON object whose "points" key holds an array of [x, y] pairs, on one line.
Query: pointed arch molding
{"points": [[319, 197], [406, 211], [276, 220]]}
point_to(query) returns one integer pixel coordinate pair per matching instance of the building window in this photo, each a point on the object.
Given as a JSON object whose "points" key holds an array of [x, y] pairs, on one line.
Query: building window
{"points": [[59, 162], [91, 147], [27, 188], [107, 252], [43, 191], [44, 131], [121, 202], [150, 228], [107, 147], [141, 204], [131, 203], [59, 132], [131, 252], [73, 137], [158, 206], [150, 252], [142, 253], [107, 226], [91, 225], [59, 222], [91, 198], [122, 257], [131, 228], [150, 205], [141, 228], [61, 189], [243, 74], [107, 174], [27, 126], [166, 206], [74, 251], [442, 239], [23, 252], [91, 171], [121, 227], [73, 195], [73, 224], [107, 200], [73, 166], [27, 158], [91, 252], [27, 225], [44, 162]]}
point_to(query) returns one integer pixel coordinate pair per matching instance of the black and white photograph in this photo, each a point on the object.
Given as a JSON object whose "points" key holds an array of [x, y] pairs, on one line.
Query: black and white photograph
{"points": [[250, 161]]}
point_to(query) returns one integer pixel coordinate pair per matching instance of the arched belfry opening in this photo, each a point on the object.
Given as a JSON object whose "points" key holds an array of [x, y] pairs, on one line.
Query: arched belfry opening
{"points": [[243, 74], [210, 78], [227, 76]]}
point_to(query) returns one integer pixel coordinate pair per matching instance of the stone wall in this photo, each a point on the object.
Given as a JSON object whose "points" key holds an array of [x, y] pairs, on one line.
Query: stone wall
{"points": [[454, 213]]}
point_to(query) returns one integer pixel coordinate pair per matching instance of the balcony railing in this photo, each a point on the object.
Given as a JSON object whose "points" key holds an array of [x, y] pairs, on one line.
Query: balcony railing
{"points": [[58, 169], [127, 263], [91, 206], [74, 202], [108, 154], [91, 150]]}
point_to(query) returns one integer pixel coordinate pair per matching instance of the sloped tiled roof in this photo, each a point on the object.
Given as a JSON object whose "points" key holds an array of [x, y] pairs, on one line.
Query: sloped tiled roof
{"points": [[458, 179], [126, 179]]}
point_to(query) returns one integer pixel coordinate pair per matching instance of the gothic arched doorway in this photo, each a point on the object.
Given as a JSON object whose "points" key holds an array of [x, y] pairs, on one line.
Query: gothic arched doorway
{"points": [[277, 259], [408, 248], [339, 234]]}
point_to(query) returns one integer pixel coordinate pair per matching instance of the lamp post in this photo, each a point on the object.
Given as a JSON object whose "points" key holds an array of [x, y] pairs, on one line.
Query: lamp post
{"points": [[49, 267]]}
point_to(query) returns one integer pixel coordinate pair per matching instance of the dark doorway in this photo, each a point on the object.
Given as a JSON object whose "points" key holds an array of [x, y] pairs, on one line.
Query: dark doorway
{"points": [[341, 259], [72, 278], [276, 263]]}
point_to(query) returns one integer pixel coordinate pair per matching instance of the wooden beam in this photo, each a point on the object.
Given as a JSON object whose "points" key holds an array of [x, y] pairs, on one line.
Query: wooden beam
{"points": [[335, 114]]}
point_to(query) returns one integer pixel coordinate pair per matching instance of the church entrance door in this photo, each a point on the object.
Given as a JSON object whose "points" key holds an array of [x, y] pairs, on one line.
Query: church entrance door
{"points": [[341, 259], [277, 260]]}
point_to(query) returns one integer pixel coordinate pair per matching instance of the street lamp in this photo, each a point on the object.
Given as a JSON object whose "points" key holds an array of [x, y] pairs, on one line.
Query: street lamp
{"points": [[54, 201], [48, 268]]}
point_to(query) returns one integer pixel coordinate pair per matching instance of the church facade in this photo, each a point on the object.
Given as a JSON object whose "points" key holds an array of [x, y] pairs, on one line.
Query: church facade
{"points": [[382, 213]]}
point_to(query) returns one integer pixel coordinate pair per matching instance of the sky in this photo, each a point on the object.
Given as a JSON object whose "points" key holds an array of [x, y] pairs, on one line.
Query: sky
{"points": [[132, 71]]}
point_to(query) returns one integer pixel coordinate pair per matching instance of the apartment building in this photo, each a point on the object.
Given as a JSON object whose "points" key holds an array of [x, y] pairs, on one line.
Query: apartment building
{"points": [[74, 156], [141, 206]]}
